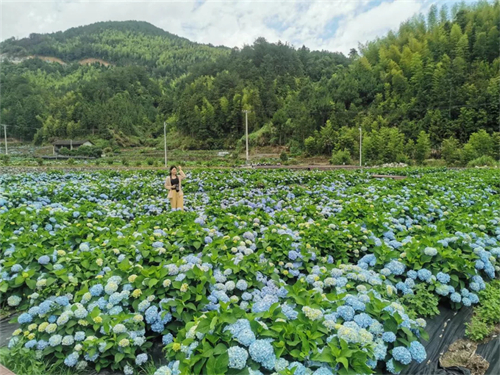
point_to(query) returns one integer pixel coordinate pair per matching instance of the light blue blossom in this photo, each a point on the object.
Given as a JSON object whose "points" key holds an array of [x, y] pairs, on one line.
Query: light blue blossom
{"points": [[96, 290], [44, 259], [261, 351], [237, 357], [389, 337], [24, 318], [141, 358], [71, 359], [401, 354], [417, 352]]}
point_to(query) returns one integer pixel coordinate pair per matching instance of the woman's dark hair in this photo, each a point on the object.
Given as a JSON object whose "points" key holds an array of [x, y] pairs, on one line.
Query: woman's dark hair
{"points": [[172, 167]]}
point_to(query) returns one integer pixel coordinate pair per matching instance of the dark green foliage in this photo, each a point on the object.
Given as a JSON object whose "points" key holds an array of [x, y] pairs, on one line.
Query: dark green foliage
{"points": [[89, 151], [487, 314], [341, 157], [5, 159], [423, 303], [439, 76]]}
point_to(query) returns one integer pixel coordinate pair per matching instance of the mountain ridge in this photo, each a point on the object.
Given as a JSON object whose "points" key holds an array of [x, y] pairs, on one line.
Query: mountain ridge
{"points": [[437, 74]]}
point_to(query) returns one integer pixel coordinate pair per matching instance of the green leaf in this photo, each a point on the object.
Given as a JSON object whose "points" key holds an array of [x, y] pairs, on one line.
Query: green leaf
{"points": [[199, 366], [119, 357], [424, 335], [153, 282], [124, 265], [344, 361], [211, 369], [31, 284], [19, 280], [220, 348], [325, 356], [221, 363]]}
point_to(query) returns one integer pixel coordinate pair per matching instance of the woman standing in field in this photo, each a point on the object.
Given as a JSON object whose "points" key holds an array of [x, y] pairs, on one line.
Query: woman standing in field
{"points": [[174, 185]]}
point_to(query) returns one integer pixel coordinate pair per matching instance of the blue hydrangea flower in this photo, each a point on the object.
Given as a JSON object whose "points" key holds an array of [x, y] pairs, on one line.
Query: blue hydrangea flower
{"points": [[242, 285], [389, 337], [71, 359], [141, 358], [16, 268], [396, 268], [363, 320], [62, 301], [45, 307], [79, 336], [325, 371], [412, 274], [299, 368], [261, 351], [401, 354], [30, 344], [41, 345], [237, 357], [430, 251], [443, 278], [346, 313], [455, 297], [167, 339], [442, 290], [417, 352], [24, 318], [44, 259], [96, 290], [390, 367], [245, 337], [424, 275]]}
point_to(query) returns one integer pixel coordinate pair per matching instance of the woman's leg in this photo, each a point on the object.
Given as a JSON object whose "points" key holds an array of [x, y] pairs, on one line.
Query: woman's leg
{"points": [[173, 200], [180, 202]]}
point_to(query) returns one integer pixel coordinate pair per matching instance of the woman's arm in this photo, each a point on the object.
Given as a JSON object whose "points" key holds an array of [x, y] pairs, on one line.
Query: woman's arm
{"points": [[168, 185], [182, 176]]}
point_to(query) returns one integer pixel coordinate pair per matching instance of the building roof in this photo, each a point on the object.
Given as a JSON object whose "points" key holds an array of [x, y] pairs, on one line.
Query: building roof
{"points": [[69, 142]]}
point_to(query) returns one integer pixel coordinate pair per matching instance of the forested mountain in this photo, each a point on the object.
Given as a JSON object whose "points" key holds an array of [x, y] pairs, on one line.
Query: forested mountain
{"points": [[119, 43], [438, 73]]}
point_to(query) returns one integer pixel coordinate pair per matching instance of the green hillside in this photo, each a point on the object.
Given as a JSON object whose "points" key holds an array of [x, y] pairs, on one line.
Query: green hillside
{"points": [[438, 74]]}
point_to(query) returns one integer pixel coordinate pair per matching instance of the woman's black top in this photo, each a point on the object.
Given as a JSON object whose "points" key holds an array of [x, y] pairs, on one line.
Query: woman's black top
{"points": [[174, 181]]}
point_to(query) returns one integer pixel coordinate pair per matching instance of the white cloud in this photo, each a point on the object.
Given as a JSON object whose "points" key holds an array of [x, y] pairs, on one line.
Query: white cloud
{"points": [[231, 22]]}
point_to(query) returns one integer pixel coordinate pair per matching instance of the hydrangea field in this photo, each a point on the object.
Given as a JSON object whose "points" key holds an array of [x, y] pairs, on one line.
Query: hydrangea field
{"points": [[266, 272]]}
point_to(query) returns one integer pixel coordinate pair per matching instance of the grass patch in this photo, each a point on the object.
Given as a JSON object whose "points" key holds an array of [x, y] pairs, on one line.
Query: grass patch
{"points": [[487, 314], [23, 361]]}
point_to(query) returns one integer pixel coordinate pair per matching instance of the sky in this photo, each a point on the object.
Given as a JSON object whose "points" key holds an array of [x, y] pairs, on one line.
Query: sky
{"points": [[333, 25]]}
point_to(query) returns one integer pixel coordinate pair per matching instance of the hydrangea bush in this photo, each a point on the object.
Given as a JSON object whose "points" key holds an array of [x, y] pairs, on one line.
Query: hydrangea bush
{"points": [[307, 275]]}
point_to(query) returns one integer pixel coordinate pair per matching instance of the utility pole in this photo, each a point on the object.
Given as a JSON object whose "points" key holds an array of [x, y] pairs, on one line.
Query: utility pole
{"points": [[5, 137], [165, 140], [360, 146], [246, 111]]}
